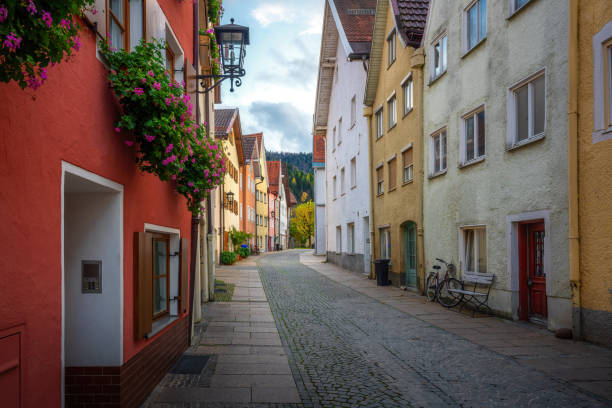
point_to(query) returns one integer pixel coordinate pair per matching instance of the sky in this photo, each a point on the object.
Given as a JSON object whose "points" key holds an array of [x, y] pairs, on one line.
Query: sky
{"points": [[277, 95]]}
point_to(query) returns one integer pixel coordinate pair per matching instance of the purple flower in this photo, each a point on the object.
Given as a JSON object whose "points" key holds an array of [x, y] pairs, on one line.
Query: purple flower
{"points": [[168, 101], [34, 83], [149, 138], [157, 85], [117, 129], [129, 143], [144, 80], [190, 184], [76, 43], [150, 73], [3, 13], [12, 42], [46, 17], [31, 8], [138, 91], [43, 74], [169, 148], [180, 169], [193, 161], [65, 23]]}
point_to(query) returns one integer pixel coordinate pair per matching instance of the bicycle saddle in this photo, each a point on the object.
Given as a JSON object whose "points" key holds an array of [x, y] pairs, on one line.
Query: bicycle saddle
{"points": [[437, 267]]}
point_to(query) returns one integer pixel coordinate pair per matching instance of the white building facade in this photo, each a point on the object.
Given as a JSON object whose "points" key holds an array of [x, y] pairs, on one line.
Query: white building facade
{"points": [[495, 150]]}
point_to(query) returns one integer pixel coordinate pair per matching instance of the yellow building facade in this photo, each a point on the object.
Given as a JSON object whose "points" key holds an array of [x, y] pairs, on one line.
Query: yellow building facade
{"points": [[261, 197], [590, 158], [394, 109]]}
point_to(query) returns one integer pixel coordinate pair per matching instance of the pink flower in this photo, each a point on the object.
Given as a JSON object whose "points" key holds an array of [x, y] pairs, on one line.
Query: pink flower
{"points": [[43, 74], [129, 143], [180, 169], [168, 101], [3, 14], [190, 184], [117, 129], [157, 85], [149, 138], [150, 73], [169, 148], [138, 91], [65, 23], [12, 42], [46, 17], [174, 177], [31, 8], [76, 43], [144, 80]]}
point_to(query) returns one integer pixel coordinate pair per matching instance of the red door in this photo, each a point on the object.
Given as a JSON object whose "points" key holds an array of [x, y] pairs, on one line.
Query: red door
{"points": [[532, 290]]}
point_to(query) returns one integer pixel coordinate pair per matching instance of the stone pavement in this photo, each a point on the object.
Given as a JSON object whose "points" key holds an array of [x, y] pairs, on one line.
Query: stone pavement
{"points": [[247, 365], [355, 344]]}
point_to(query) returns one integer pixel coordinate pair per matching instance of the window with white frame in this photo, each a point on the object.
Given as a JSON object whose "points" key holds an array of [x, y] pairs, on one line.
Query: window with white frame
{"points": [[438, 57], [339, 130], [438, 152], [380, 181], [602, 84], [608, 88], [350, 238], [474, 249], [391, 48], [392, 108], [385, 243], [475, 23], [334, 188], [515, 5], [342, 182], [407, 165], [334, 138], [527, 110], [338, 239], [354, 172], [407, 94], [353, 110], [379, 123], [473, 136]]}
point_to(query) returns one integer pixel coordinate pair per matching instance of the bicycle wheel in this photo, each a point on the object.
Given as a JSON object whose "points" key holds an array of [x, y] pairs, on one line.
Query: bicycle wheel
{"points": [[431, 287], [449, 298]]}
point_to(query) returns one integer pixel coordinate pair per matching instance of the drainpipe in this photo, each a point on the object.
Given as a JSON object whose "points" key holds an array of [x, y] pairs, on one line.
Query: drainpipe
{"points": [[256, 215], [572, 129], [195, 220], [367, 111]]}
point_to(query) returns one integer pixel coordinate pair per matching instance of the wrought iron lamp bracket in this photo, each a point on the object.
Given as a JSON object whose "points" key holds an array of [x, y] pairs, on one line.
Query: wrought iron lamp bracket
{"points": [[236, 79]]}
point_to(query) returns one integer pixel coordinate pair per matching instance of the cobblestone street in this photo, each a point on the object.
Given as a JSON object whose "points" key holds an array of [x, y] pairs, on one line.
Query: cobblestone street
{"points": [[323, 336]]}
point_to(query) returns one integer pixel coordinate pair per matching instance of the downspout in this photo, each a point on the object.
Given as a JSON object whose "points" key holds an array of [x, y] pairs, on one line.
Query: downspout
{"points": [[572, 139], [256, 215], [367, 111], [195, 219]]}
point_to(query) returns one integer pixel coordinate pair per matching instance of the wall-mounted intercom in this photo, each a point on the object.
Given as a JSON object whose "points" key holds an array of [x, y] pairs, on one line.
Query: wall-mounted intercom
{"points": [[91, 272]]}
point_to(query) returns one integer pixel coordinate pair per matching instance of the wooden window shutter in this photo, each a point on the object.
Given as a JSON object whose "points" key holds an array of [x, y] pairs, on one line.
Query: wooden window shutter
{"points": [[392, 171], [143, 288], [184, 283], [407, 157]]}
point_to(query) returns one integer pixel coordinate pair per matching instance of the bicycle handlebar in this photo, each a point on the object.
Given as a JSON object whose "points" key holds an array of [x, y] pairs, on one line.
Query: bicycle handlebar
{"points": [[442, 260]]}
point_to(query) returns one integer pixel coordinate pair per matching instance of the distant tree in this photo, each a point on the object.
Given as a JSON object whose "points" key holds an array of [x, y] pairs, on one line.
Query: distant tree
{"points": [[304, 197], [303, 223]]}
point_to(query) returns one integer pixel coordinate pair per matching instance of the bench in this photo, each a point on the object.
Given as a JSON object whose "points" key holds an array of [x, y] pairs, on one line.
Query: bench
{"points": [[478, 295]]}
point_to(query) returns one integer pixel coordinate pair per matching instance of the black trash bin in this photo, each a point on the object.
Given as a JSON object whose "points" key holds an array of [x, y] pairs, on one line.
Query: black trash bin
{"points": [[381, 267]]}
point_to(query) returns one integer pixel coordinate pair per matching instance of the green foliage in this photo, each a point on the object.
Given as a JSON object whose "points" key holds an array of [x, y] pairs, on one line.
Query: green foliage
{"points": [[238, 237], [243, 252], [228, 257], [301, 227], [157, 118], [301, 161], [36, 34], [301, 184], [215, 11], [214, 51]]}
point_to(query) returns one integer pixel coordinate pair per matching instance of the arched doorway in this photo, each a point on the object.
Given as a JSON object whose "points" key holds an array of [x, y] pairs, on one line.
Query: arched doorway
{"points": [[410, 251]]}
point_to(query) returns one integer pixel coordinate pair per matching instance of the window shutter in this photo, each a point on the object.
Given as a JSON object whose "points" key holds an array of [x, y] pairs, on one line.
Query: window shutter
{"points": [[184, 284], [190, 82], [143, 288]]}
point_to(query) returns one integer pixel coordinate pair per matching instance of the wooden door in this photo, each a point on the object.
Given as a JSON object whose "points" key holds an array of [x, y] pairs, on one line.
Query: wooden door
{"points": [[411, 255], [532, 275]]}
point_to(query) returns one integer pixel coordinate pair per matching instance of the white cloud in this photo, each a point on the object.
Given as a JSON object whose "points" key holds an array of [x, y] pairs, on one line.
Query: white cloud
{"points": [[269, 13]]}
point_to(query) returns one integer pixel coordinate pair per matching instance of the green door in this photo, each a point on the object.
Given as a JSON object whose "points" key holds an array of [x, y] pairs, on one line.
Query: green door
{"points": [[411, 255]]}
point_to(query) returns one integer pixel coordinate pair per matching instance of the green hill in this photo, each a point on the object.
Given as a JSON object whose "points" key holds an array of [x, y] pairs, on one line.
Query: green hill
{"points": [[299, 171]]}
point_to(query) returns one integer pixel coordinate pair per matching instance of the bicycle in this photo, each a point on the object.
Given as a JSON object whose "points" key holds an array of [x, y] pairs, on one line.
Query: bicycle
{"points": [[438, 290]]}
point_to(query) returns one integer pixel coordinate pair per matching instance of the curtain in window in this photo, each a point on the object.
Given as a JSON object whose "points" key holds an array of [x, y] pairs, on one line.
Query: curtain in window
{"points": [[136, 22], [482, 250], [469, 250]]}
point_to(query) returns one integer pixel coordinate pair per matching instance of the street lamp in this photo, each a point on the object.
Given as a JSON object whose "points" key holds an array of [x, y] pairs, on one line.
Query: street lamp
{"points": [[232, 39]]}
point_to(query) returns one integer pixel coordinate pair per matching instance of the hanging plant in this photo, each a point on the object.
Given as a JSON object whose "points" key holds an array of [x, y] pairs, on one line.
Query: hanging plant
{"points": [[36, 34], [215, 11], [214, 51], [157, 117]]}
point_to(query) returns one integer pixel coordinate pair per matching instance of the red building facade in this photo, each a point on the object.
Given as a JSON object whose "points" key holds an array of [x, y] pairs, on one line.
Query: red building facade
{"points": [[93, 301]]}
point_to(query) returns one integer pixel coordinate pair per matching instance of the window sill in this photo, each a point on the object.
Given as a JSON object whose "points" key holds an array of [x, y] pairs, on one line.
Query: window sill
{"points": [[407, 112], [518, 10], [160, 324], [601, 135], [467, 52], [353, 187], [391, 190], [390, 64], [342, 195], [391, 127], [405, 183], [472, 162], [352, 126], [379, 137], [438, 174], [432, 80], [525, 142], [379, 194]]}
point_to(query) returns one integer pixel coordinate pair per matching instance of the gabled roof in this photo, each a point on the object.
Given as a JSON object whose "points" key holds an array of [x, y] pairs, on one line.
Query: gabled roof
{"points": [[274, 173], [224, 119], [355, 22], [259, 137], [292, 200], [249, 147], [410, 18]]}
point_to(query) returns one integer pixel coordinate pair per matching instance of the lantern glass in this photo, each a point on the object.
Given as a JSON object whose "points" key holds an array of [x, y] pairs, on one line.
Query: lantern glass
{"points": [[232, 40]]}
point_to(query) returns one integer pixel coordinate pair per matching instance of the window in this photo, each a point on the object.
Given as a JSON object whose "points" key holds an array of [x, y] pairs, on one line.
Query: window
{"points": [[334, 188], [438, 152], [334, 139], [475, 23], [385, 243], [475, 250], [137, 18], [161, 281], [473, 136], [407, 165], [350, 238], [392, 111], [338, 239], [342, 182], [241, 212], [339, 130], [380, 182], [527, 110], [391, 47], [438, 57], [407, 93], [392, 166], [609, 85], [602, 84], [379, 123], [515, 5], [118, 22], [353, 110], [353, 172]]}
